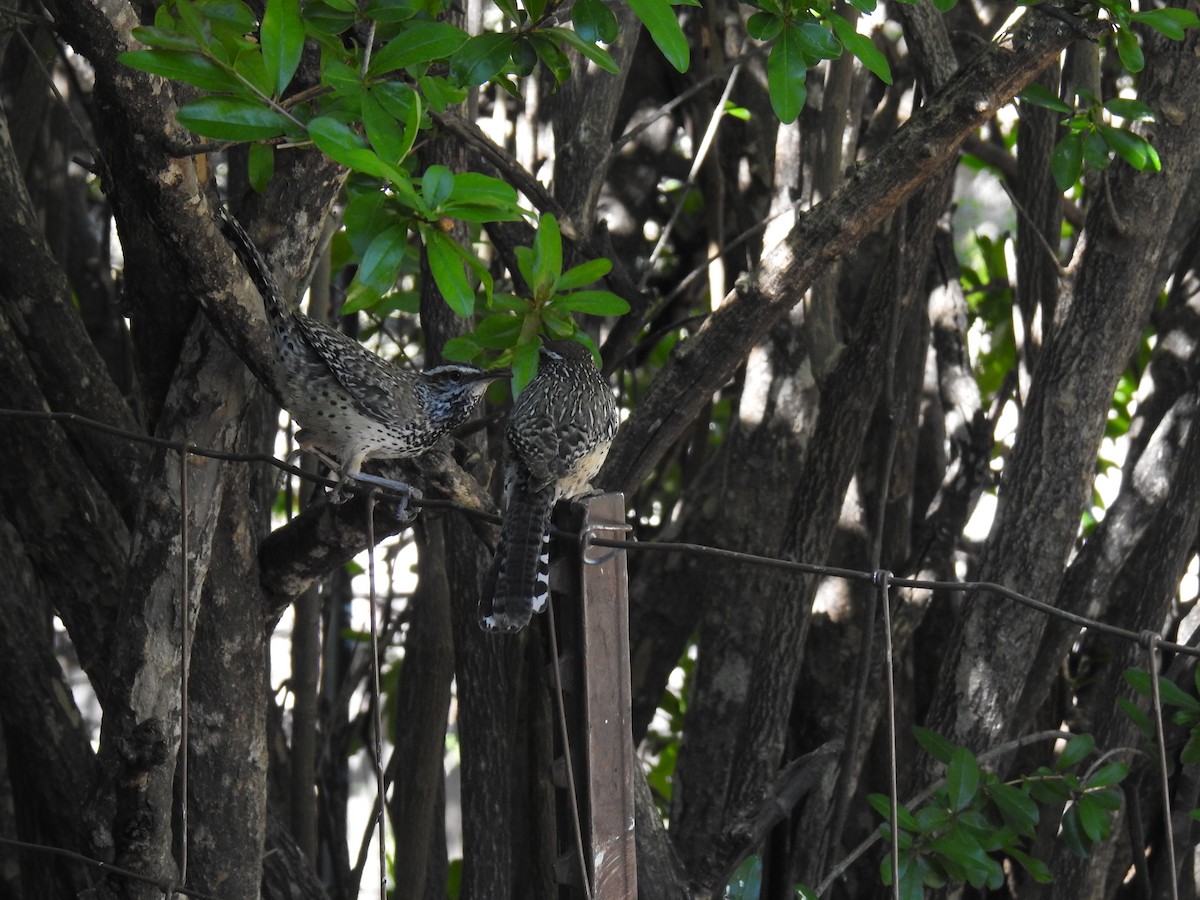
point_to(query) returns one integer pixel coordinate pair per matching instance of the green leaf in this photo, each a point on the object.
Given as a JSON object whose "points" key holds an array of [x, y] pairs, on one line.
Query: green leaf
{"points": [[1093, 818], [934, 744], [786, 69], [960, 848], [746, 883], [163, 38], [817, 41], [1136, 151], [191, 68], [1137, 716], [481, 58], [328, 19], [551, 54], [1190, 754], [584, 274], [1128, 108], [436, 186], [594, 21], [439, 93], [862, 47], [1077, 748], [344, 78], [962, 779], [383, 132], [524, 365], [417, 44], [1108, 798], [392, 10], [882, 805], [1130, 51], [191, 22], [261, 166], [499, 331], [234, 14], [660, 20], [446, 266], [463, 348], [401, 102], [1040, 95], [944, 6], [232, 119], [366, 215], [1139, 680], [598, 55], [1113, 773], [1095, 151], [1170, 21], [764, 26], [594, 303], [1017, 810], [484, 190], [1037, 869], [282, 40], [932, 818], [249, 64], [342, 145], [547, 256], [381, 262], [1066, 162]]}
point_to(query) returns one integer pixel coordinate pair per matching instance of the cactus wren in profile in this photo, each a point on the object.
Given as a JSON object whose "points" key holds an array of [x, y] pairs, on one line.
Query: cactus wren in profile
{"points": [[350, 403], [559, 434]]}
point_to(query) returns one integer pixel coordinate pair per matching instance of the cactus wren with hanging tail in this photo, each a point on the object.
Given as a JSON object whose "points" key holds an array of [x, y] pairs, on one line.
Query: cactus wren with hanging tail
{"points": [[351, 404], [559, 434]]}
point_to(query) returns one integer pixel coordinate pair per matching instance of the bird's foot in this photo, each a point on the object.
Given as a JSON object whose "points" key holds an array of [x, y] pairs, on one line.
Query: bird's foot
{"points": [[405, 511], [506, 615]]}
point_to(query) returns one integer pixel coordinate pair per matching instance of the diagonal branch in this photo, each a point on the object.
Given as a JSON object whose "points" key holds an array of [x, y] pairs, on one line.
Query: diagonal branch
{"points": [[927, 144]]}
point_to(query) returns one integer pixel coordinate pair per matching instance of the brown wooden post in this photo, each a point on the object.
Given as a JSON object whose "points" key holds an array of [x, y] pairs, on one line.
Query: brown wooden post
{"points": [[593, 626]]}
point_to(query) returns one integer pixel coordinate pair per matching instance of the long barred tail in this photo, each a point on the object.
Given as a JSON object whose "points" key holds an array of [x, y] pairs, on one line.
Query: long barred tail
{"points": [[519, 583], [256, 266]]}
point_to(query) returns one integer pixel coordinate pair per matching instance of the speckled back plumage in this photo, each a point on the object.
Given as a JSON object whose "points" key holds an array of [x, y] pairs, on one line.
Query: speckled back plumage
{"points": [[349, 402], [559, 434]]}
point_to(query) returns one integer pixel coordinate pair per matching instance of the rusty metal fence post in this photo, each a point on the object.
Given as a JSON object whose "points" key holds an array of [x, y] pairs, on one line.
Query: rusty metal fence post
{"points": [[591, 617]]}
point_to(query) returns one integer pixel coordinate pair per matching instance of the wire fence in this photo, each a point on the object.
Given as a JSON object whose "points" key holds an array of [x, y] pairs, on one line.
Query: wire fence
{"points": [[1150, 640]]}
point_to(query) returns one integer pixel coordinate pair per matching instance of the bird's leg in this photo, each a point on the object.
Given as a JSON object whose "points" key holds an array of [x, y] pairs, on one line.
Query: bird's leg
{"points": [[403, 513]]}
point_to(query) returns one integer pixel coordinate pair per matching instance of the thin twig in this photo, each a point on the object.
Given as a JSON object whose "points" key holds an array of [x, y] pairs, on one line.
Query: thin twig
{"points": [[706, 142], [185, 608], [1024, 214], [376, 702]]}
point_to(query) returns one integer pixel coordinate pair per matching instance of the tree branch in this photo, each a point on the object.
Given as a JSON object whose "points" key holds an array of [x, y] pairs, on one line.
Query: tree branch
{"points": [[927, 144]]}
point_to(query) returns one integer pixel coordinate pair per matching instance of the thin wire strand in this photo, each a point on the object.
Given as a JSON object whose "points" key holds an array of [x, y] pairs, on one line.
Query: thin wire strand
{"points": [[572, 797], [966, 587], [377, 719], [893, 744], [1151, 641], [168, 888], [231, 456]]}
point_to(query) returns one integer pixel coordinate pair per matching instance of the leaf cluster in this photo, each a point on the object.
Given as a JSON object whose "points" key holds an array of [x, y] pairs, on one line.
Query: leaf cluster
{"points": [[974, 819], [367, 113], [1186, 714]]}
